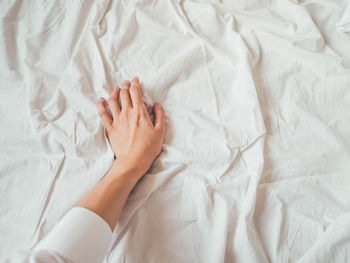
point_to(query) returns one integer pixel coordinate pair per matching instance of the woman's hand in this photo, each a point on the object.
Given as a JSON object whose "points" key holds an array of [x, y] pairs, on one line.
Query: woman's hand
{"points": [[135, 140]]}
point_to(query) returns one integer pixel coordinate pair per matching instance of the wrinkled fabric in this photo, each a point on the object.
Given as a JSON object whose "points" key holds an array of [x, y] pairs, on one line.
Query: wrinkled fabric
{"points": [[255, 163], [343, 26], [41, 256], [81, 236]]}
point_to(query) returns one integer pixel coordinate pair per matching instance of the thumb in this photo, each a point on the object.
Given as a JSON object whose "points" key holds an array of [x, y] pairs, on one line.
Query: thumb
{"points": [[158, 116]]}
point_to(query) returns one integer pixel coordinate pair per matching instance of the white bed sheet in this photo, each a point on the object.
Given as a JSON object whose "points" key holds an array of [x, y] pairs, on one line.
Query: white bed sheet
{"points": [[256, 161]]}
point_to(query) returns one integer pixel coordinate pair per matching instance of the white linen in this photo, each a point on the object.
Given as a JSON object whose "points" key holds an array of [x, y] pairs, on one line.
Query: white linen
{"points": [[255, 165], [343, 26]]}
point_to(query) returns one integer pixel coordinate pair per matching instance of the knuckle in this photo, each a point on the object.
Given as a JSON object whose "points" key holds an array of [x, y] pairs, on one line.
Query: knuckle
{"points": [[144, 108], [160, 128], [144, 112], [123, 117], [135, 87], [125, 85], [99, 108], [137, 112], [110, 100]]}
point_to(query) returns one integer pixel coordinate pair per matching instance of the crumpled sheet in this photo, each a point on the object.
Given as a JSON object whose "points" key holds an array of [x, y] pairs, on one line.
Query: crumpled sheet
{"points": [[343, 25], [256, 161]]}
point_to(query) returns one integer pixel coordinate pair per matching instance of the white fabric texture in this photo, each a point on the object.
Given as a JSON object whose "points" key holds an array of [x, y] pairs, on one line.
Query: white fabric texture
{"points": [[255, 165], [39, 256], [81, 236], [343, 25]]}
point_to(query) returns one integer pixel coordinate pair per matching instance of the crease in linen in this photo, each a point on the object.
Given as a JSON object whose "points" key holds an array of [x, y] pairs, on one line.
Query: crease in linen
{"points": [[255, 161]]}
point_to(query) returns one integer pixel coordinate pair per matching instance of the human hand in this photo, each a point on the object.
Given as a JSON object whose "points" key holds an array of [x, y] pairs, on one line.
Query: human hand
{"points": [[135, 140]]}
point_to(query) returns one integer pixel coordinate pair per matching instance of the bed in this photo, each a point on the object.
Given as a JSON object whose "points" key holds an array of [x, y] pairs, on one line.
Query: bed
{"points": [[255, 165]]}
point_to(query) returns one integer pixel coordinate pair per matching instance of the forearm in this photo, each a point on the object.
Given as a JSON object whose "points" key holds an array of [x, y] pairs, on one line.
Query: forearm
{"points": [[108, 197], [84, 233]]}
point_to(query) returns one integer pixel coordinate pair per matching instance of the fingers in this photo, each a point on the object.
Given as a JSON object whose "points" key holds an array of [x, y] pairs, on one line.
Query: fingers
{"points": [[158, 117], [135, 92], [102, 112], [125, 96], [113, 102]]}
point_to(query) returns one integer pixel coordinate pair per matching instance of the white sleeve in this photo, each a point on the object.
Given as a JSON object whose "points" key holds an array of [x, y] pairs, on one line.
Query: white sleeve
{"points": [[80, 236], [39, 256]]}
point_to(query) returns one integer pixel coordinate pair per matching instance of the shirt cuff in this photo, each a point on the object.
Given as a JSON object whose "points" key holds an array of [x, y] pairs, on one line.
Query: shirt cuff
{"points": [[81, 236]]}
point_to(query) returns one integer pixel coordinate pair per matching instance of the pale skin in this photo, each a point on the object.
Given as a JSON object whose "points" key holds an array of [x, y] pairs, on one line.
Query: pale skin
{"points": [[136, 143]]}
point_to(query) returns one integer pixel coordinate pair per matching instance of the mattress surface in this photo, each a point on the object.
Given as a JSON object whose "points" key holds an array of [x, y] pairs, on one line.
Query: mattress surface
{"points": [[255, 165]]}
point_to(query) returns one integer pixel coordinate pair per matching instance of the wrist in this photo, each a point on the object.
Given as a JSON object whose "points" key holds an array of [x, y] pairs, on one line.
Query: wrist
{"points": [[127, 170]]}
